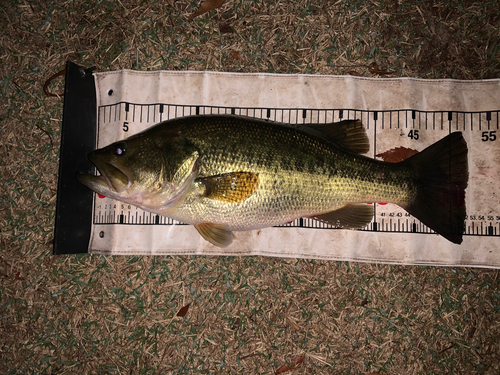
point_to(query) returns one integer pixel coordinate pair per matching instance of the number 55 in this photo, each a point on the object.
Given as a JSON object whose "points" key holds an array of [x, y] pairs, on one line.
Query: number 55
{"points": [[489, 136]]}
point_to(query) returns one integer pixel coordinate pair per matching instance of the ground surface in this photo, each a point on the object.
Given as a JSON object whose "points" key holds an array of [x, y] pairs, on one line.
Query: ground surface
{"points": [[250, 315]]}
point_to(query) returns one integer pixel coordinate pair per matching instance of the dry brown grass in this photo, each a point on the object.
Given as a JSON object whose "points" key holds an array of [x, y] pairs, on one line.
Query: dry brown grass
{"points": [[90, 314]]}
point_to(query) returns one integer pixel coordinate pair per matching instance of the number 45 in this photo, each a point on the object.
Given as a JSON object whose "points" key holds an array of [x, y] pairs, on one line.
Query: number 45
{"points": [[489, 136], [413, 134]]}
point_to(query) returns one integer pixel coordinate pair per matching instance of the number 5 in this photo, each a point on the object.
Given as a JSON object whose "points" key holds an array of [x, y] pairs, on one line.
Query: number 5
{"points": [[125, 126]]}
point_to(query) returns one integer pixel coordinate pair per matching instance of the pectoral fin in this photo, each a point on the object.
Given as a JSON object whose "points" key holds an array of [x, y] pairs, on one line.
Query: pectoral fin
{"points": [[351, 216], [216, 234], [233, 187]]}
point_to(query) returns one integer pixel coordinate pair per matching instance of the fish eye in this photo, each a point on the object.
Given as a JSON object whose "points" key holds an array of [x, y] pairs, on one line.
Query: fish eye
{"points": [[120, 149]]}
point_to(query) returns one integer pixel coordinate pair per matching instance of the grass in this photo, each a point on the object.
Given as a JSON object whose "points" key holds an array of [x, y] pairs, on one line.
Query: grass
{"points": [[94, 314]]}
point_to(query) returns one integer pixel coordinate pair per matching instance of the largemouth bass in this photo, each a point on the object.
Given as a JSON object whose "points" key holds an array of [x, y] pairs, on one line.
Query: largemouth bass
{"points": [[224, 173]]}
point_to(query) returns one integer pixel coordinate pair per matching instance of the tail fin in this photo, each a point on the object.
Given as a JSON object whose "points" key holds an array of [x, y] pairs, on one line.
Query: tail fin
{"points": [[442, 176]]}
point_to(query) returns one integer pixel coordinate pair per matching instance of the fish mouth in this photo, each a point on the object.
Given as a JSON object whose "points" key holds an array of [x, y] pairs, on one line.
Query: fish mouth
{"points": [[113, 178]]}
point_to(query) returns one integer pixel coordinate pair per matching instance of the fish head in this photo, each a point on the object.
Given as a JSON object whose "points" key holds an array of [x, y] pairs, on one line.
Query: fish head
{"points": [[154, 173]]}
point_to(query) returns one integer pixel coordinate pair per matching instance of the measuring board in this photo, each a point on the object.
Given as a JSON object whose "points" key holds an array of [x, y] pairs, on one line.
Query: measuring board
{"points": [[385, 130], [98, 111]]}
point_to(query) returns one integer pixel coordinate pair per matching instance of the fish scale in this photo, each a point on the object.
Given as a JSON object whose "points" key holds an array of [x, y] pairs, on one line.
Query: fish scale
{"points": [[299, 175]]}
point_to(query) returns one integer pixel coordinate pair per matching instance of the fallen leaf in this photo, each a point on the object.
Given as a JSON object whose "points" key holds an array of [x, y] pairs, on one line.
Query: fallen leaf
{"points": [[374, 69], [18, 276], [373, 373], [354, 73], [235, 55], [182, 312], [206, 6], [236, 324], [397, 154], [293, 363], [225, 28]]}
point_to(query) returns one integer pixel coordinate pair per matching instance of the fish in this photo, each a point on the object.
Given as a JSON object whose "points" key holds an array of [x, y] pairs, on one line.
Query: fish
{"points": [[226, 173]]}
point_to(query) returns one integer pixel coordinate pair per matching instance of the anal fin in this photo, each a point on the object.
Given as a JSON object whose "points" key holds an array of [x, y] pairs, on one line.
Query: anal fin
{"points": [[216, 234], [352, 216]]}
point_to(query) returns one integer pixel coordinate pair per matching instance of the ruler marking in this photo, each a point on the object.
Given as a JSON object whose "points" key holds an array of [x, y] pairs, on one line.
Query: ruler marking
{"points": [[382, 120]]}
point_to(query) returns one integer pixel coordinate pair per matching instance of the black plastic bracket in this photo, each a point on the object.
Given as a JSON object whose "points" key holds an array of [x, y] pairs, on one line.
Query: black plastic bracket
{"points": [[74, 201]]}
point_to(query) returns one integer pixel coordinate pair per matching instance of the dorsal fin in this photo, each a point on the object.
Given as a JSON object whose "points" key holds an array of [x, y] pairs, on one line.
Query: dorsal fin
{"points": [[348, 133]]}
